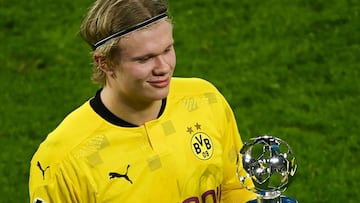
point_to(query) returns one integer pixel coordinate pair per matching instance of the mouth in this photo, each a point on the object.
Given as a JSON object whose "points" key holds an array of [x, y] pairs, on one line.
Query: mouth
{"points": [[160, 83]]}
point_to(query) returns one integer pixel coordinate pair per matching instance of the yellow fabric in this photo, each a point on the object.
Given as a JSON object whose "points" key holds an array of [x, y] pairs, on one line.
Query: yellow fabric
{"points": [[186, 155]]}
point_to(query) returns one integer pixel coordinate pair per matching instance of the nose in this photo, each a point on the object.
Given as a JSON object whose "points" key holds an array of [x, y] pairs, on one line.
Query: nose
{"points": [[161, 65]]}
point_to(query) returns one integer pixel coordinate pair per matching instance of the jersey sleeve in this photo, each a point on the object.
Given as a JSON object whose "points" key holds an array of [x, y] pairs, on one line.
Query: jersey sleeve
{"points": [[57, 182], [232, 190], [57, 174]]}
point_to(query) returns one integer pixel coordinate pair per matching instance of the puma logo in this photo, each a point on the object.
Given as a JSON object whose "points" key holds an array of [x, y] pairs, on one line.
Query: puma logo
{"points": [[38, 200], [118, 175], [42, 170]]}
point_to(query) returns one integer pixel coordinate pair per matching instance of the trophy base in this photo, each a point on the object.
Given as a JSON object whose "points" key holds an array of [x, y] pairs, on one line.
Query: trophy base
{"points": [[282, 199]]}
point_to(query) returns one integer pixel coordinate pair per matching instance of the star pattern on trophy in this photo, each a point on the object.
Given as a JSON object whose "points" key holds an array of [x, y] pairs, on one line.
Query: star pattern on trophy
{"points": [[269, 164]]}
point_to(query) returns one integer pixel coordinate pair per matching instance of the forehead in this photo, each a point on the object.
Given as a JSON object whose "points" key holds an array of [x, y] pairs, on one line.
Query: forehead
{"points": [[151, 39]]}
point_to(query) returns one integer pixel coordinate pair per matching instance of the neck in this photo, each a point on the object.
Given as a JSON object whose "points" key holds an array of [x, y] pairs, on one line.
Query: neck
{"points": [[137, 112]]}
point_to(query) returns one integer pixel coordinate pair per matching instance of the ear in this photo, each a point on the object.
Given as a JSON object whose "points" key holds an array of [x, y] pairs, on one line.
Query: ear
{"points": [[101, 64]]}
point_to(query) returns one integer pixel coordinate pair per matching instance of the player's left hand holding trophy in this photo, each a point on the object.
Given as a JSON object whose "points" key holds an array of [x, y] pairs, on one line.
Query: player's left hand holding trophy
{"points": [[266, 165]]}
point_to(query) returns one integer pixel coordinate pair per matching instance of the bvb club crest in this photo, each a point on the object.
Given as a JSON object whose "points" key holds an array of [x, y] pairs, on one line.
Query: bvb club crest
{"points": [[201, 143]]}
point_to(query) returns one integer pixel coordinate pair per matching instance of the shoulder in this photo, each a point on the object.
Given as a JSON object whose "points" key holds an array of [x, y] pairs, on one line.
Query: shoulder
{"points": [[191, 85], [63, 152], [196, 92], [76, 127]]}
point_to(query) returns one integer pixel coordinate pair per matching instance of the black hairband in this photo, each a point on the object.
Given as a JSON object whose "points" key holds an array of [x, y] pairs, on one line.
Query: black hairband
{"points": [[131, 29]]}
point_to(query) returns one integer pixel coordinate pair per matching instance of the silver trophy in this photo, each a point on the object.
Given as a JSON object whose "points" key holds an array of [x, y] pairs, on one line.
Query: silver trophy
{"points": [[268, 165]]}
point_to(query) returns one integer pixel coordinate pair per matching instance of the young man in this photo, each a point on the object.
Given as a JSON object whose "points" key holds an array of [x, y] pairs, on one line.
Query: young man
{"points": [[145, 136]]}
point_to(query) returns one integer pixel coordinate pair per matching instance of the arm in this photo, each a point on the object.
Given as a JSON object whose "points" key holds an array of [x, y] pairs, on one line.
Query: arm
{"points": [[232, 190]]}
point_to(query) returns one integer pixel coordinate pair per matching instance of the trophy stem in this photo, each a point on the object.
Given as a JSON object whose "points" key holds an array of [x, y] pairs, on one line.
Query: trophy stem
{"points": [[274, 200], [269, 197]]}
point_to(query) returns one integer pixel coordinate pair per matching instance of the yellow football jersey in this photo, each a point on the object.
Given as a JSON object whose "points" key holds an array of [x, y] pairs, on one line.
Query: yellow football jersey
{"points": [[187, 155]]}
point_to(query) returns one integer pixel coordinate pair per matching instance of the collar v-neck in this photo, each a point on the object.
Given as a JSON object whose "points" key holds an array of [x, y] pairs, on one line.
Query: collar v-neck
{"points": [[98, 106]]}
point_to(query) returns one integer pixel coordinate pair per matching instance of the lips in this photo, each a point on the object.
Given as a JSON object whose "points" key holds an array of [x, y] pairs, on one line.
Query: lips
{"points": [[159, 83]]}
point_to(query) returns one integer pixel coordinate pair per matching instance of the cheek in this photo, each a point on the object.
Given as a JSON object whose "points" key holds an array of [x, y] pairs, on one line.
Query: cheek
{"points": [[139, 74], [172, 59], [131, 71]]}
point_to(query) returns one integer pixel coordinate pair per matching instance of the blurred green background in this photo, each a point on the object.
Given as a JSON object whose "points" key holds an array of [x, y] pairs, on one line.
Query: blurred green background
{"points": [[288, 68]]}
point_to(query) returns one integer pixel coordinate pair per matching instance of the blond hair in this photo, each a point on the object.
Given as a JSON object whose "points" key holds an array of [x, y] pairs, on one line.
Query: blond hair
{"points": [[107, 17]]}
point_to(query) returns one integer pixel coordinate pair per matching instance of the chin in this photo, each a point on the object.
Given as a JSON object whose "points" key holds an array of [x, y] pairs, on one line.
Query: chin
{"points": [[162, 94]]}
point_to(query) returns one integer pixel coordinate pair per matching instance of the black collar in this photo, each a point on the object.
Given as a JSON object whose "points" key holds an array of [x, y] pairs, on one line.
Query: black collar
{"points": [[99, 107]]}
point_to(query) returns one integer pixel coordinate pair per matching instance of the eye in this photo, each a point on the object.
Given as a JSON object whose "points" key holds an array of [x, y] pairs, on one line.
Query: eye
{"points": [[143, 59], [167, 50]]}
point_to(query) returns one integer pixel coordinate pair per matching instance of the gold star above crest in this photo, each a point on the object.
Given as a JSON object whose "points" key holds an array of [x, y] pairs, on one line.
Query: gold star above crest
{"points": [[198, 126], [189, 130]]}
